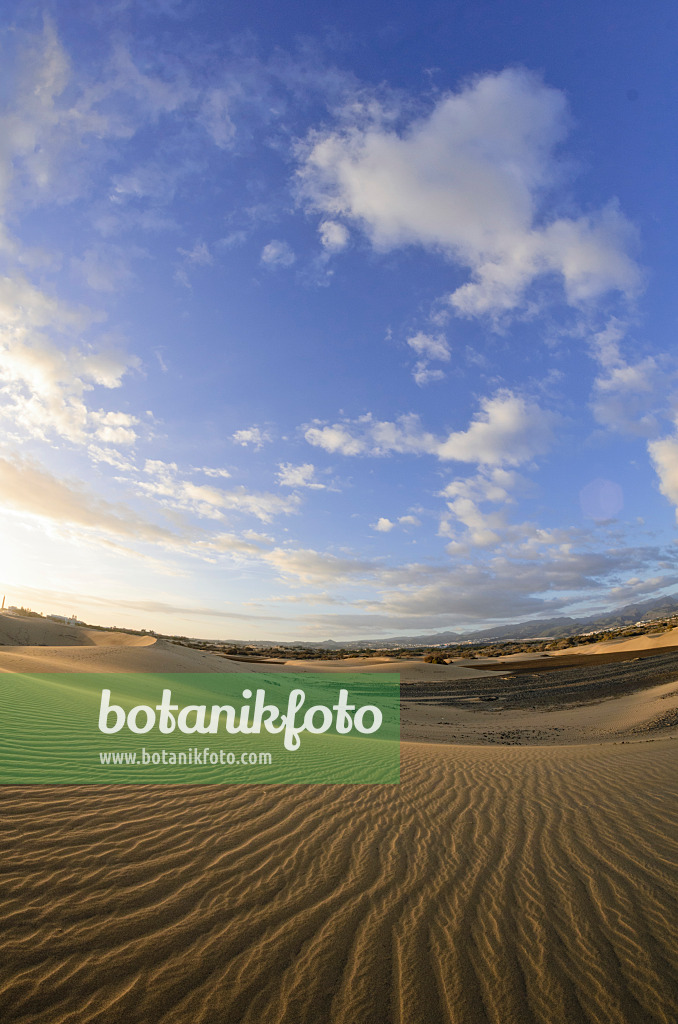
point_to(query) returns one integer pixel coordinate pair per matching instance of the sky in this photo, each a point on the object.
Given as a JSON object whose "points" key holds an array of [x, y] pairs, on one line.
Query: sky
{"points": [[337, 322]]}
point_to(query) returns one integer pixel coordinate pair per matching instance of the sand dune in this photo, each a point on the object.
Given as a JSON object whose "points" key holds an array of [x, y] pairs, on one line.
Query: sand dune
{"points": [[29, 644], [646, 642], [34, 631], [497, 884], [155, 657], [494, 885]]}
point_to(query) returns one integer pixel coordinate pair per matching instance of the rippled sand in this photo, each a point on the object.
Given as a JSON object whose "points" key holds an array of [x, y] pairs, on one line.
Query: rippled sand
{"points": [[504, 884], [495, 884]]}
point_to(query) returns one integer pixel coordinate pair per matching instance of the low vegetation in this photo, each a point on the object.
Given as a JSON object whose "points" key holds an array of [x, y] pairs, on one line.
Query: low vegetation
{"points": [[432, 655]]}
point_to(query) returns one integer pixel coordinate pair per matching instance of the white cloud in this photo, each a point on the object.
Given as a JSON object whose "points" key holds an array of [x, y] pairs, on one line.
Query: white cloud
{"points": [[383, 525], [312, 566], [664, 455], [333, 235], [277, 254], [115, 427], [367, 436], [254, 436], [231, 543], [423, 375], [470, 525], [335, 439], [172, 490], [298, 476], [625, 395], [210, 501], [494, 485], [482, 527], [470, 180], [431, 346], [27, 487], [199, 255], [212, 471], [500, 588], [509, 430], [109, 456], [46, 376]]}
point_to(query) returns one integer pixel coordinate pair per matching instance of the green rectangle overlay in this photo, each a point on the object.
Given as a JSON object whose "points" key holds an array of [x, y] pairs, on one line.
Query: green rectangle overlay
{"points": [[253, 727]]}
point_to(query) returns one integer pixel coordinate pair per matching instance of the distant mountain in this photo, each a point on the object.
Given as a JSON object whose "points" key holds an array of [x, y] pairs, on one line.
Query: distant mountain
{"points": [[655, 608]]}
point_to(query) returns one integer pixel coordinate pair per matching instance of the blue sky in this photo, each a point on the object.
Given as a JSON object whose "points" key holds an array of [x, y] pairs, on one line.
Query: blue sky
{"points": [[337, 323]]}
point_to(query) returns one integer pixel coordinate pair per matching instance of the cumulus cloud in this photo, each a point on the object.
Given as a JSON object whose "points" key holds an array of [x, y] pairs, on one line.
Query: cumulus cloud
{"points": [[336, 438], [254, 436], [470, 180], [482, 528], [290, 475], [114, 427], [625, 394], [46, 371], [508, 430], [430, 346], [664, 455], [383, 525], [477, 519], [493, 485], [333, 235], [423, 374], [277, 254]]}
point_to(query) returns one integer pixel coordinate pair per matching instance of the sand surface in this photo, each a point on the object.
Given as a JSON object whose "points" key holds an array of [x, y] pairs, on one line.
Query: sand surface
{"points": [[526, 881]]}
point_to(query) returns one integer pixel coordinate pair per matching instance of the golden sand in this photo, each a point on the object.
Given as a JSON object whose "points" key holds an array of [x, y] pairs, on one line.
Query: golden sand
{"points": [[533, 884]]}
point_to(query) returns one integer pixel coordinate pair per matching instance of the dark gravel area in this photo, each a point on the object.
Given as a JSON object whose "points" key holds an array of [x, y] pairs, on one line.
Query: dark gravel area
{"points": [[556, 687]]}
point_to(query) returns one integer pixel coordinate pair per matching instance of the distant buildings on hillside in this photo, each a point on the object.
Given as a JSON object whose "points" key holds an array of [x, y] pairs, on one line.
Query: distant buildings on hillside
{"points": [[67, 620]]}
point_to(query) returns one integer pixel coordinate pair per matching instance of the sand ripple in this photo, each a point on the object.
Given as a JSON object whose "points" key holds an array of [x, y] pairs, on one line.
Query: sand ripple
{"points": [[494, 886]]}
